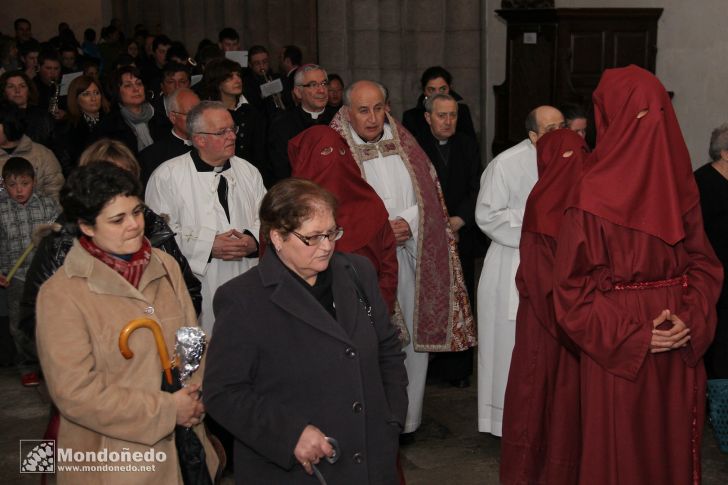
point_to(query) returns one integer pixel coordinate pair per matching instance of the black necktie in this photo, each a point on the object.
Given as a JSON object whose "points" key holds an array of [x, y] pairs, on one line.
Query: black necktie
{"points": [[222, 192]]}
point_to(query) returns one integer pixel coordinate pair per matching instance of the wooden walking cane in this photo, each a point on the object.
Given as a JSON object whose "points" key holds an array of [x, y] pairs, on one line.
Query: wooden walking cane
{"points": [[158, 337]]}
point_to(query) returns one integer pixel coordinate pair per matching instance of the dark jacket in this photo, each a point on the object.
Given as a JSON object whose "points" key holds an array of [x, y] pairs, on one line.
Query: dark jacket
{"points": [[252, 134], [284, 127], [113, 126], [159, 152], [460, 182], [52, 252], [79, 135], [278, 361], [414, 119]]}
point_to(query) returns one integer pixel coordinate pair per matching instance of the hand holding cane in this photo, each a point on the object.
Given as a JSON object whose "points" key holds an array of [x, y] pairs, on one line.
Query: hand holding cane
{"points": [[158, 337]]}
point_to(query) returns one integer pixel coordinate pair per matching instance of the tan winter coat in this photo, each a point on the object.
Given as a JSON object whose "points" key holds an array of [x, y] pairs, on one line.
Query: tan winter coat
{"points": [[48, 175], [106, 401]]}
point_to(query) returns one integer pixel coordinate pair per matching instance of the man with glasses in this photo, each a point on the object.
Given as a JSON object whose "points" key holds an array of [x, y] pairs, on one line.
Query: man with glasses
{"points": [[177, 142], [211, 198], [312, 88], [504, 188]]}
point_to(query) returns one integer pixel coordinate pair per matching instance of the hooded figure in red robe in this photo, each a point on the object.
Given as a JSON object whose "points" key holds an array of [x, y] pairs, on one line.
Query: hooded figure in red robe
{"points": [[540, 441], [321, 155], [635, 287]]}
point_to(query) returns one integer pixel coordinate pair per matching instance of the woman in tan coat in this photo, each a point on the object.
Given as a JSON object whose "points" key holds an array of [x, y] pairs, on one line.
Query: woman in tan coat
{"points": [[115, 420]]}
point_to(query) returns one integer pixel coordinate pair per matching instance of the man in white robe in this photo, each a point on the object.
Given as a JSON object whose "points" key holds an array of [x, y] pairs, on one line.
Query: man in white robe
{"points": [[211, 198], [400, 173], [504, 188]]}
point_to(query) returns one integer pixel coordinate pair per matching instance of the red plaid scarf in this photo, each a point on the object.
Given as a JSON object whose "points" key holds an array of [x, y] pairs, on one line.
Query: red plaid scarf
{"points": [[131, 270]]}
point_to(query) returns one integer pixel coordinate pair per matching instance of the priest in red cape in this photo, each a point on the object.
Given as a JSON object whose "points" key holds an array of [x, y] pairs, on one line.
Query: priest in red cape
{"points": [[635, 287], [321, 155], [540, 441], [430, 290]]}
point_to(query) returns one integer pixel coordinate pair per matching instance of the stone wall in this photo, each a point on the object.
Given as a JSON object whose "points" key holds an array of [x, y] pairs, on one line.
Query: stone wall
{"points": [[393, 41]]}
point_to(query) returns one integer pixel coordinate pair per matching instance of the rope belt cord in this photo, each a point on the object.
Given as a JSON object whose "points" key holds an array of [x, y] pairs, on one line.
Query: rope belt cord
{"points": [[649, 285]]}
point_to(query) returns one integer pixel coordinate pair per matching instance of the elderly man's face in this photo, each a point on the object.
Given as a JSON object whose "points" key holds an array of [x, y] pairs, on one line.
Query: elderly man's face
{"points": [[444, 118], [217, 143], [367, 111], [548, 119], [186, 100], [313, 90]]}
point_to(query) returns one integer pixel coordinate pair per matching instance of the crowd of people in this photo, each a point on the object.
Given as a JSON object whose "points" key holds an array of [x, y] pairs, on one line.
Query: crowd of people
{"points": [[328, 252]]}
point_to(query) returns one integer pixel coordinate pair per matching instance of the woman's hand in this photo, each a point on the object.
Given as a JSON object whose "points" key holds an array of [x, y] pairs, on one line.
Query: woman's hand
{"points": [[674, 338], [189, 406], [311, 447]]}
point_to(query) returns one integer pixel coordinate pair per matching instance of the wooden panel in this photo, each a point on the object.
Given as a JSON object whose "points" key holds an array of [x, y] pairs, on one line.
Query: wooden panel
{"points": [[631, 48]]}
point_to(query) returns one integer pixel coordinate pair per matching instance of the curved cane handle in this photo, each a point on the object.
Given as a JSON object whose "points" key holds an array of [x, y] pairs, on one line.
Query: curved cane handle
{"points": [[158, 337]]}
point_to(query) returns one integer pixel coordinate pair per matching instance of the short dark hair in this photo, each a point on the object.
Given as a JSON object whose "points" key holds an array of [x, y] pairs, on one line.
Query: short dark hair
{"points": [[336, 77], [48, 55], [19, 21], [89, 35], [290, 203], [27, 47], [207, 53], [572, 111], [12, 121], [228, 33], [433, 73], [116, 76], [32, 90], [294, 54], [177, 49], [66, 47], [171, 68], [256, 49], [161, 40], [217, 71], [18, 167], [89, 188]]}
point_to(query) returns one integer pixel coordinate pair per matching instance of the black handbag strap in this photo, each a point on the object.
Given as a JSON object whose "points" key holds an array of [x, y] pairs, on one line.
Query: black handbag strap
{"points": [[361, 294]]}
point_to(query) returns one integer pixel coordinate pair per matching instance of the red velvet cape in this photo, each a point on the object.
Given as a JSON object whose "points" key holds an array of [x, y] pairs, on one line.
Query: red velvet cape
{"points": [[320, 154], [636, 220], [443, 321], [541, 429]]}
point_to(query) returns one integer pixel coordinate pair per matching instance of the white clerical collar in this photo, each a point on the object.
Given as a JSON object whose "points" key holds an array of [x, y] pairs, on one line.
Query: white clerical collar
{"points": [[314, 114], [442, 142], [186, 142], [241, 101], [387, 135]]}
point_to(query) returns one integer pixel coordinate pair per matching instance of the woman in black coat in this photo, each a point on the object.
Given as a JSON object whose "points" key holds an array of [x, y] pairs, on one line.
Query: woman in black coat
{"points": [[87, 105], [303, 351], [131, 121]]}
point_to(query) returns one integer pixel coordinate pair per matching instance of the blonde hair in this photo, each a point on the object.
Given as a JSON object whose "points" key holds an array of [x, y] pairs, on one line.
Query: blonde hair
{"points": [[112, 151]]}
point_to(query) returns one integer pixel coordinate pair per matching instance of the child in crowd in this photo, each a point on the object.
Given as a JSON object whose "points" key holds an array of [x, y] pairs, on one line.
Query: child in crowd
{"points": [[21, 210]]}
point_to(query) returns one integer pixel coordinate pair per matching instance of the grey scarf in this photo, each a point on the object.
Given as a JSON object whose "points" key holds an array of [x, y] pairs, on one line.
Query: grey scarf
{"points": [[139, 124]]}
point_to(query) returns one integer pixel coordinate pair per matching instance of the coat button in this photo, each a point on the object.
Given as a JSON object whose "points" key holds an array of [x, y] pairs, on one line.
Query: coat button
{"points": [[350, 353], [149, 310], [358, 458], [357, 407]]}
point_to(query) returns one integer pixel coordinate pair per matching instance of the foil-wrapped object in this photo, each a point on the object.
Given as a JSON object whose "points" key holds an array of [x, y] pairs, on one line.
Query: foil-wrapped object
{"points": [[189, 346]]}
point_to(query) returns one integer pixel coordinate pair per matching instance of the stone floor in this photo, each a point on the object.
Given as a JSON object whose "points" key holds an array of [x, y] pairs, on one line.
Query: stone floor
{"points": [[447, 449]]}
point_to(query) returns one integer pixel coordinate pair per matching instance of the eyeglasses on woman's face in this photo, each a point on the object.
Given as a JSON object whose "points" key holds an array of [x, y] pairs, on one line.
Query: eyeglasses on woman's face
{"points": [[316, 239]]}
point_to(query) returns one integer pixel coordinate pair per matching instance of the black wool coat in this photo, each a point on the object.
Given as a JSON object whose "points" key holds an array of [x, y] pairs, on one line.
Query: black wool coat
{"points": [[278, 361]]}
